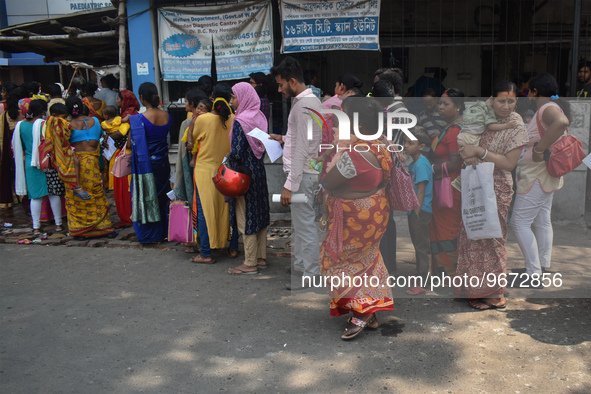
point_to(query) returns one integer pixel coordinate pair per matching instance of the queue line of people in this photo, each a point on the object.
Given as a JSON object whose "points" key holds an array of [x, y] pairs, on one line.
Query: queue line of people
{"points": [[357, 213]]}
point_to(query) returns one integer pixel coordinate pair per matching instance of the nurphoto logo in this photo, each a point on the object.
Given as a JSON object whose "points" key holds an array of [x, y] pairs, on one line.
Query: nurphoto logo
{"points": [[401, 121]]}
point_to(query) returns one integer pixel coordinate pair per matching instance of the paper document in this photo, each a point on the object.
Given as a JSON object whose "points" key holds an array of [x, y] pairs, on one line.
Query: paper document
{"points": [[110, 150], [587, 160], [274, 149]]}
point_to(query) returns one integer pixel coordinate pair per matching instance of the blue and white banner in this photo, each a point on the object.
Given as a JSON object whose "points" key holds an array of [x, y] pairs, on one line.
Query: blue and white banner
{"points": [[329, 25], [241, 35]]}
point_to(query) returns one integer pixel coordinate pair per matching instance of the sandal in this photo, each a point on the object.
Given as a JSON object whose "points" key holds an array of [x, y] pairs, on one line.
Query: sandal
{"points": [[233, 253], [36, 232], [59, 228], [357, 325], [240, 271], [199, 259], [192, 249], [487, 304], [263, 264], [414, 291], [81, 195]]}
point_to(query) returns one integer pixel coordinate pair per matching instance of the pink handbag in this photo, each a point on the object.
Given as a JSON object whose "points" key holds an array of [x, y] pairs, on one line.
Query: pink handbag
{"points": [[122, 164], [400, 192], [565, 154], [179, 222], [443, 189]]}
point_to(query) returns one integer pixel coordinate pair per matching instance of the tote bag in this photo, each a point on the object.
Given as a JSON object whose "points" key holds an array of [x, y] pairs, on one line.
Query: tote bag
{"points": [[179, 222], [443, 189], [479, 203], [400, 191], [122, 164], [566, 153]]}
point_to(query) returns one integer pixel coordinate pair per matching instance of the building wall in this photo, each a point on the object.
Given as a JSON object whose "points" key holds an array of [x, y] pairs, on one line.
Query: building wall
{"points": [[141, 46]]}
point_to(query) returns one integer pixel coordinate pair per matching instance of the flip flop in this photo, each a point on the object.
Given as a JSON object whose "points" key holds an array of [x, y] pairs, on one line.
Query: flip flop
{"points": [[240, 271], [488, 304], [414, 291], [264, 267], [199, 259], [82, 195], [233, 253]]}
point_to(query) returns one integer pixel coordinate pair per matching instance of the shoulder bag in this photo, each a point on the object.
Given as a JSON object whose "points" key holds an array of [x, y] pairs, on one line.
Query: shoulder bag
{"points": [[400, 192], [122, 164], [443, 189], [565, 154]]}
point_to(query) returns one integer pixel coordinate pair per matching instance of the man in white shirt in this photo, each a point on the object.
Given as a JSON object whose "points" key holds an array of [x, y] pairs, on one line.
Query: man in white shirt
{"points": [[297, 152], [106, 94]]}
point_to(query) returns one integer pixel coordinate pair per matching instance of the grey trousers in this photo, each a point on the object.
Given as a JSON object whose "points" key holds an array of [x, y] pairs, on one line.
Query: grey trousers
{"points": [[306, 249], [420, 236]]}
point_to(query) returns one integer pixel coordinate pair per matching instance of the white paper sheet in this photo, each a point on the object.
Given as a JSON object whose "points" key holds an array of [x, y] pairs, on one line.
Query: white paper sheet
{"points": [[274, 149], [110, 150], [587, 160]]}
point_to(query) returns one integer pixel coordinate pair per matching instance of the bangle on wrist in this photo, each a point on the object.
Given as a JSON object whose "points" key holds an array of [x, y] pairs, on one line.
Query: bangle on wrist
{"points": [[485, 153], [539, 153]]}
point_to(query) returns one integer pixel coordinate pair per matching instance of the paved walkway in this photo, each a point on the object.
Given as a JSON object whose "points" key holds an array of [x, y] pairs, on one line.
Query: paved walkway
{"points": [[16, 224]]}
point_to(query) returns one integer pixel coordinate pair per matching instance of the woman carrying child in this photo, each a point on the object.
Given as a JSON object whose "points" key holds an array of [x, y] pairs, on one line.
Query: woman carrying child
{"points": [[118, 131], [486, 257]]}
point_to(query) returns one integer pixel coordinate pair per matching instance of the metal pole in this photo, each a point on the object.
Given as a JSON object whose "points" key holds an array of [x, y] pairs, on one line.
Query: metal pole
{"points": [[122, 46], [155, 35], [574, 67]]}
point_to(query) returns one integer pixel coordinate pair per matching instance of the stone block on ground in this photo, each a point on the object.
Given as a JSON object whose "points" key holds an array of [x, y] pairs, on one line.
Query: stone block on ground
{"points": [[50, 242], [124, 244], [97, 243], [73, 242]]}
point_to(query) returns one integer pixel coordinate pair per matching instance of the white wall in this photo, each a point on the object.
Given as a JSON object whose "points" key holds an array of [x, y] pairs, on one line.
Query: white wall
{"points": [[456, 61]]}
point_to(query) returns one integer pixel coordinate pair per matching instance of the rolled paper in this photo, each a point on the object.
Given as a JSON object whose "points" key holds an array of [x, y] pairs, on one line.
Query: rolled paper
{"points": [[295, 198]]}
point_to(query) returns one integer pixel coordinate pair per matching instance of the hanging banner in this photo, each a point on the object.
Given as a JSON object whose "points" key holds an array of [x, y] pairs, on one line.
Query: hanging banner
{"points": [[240, 34], [310, 26]]}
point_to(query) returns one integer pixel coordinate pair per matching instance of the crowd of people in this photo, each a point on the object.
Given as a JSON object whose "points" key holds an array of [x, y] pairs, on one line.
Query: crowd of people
{"points": [[52, 155]]}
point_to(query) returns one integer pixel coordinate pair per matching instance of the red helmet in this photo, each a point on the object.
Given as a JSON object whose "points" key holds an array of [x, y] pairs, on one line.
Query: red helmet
{"points": [[231, 183]]}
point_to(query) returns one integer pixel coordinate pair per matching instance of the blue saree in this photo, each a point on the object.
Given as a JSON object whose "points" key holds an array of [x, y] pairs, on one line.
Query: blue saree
{"points": [[149, 179]]}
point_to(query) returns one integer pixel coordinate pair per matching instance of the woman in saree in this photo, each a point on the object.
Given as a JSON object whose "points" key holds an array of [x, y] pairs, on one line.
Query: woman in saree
{"points": [[211, 143], [128, 105], [358, 215], [445, 222], [8, 121], [150, 167], [250, 211], [94, 105], [87, 218], [488, 257]]}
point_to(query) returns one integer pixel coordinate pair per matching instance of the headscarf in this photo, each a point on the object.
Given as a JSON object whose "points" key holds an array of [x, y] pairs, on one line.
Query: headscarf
{"points": [[23, 106], [249, 115], [129, 104]]}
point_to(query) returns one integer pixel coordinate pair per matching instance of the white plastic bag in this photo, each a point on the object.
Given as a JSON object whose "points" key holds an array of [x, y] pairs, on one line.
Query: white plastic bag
{"points": [[479, 203]]}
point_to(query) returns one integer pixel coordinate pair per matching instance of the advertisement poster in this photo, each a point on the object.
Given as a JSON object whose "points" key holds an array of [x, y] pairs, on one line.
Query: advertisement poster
{"points": [[240, 35], [310, 26]]}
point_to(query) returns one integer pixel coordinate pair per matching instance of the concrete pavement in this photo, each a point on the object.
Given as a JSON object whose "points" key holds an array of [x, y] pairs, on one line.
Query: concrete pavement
{"points": [[104, 320]]}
